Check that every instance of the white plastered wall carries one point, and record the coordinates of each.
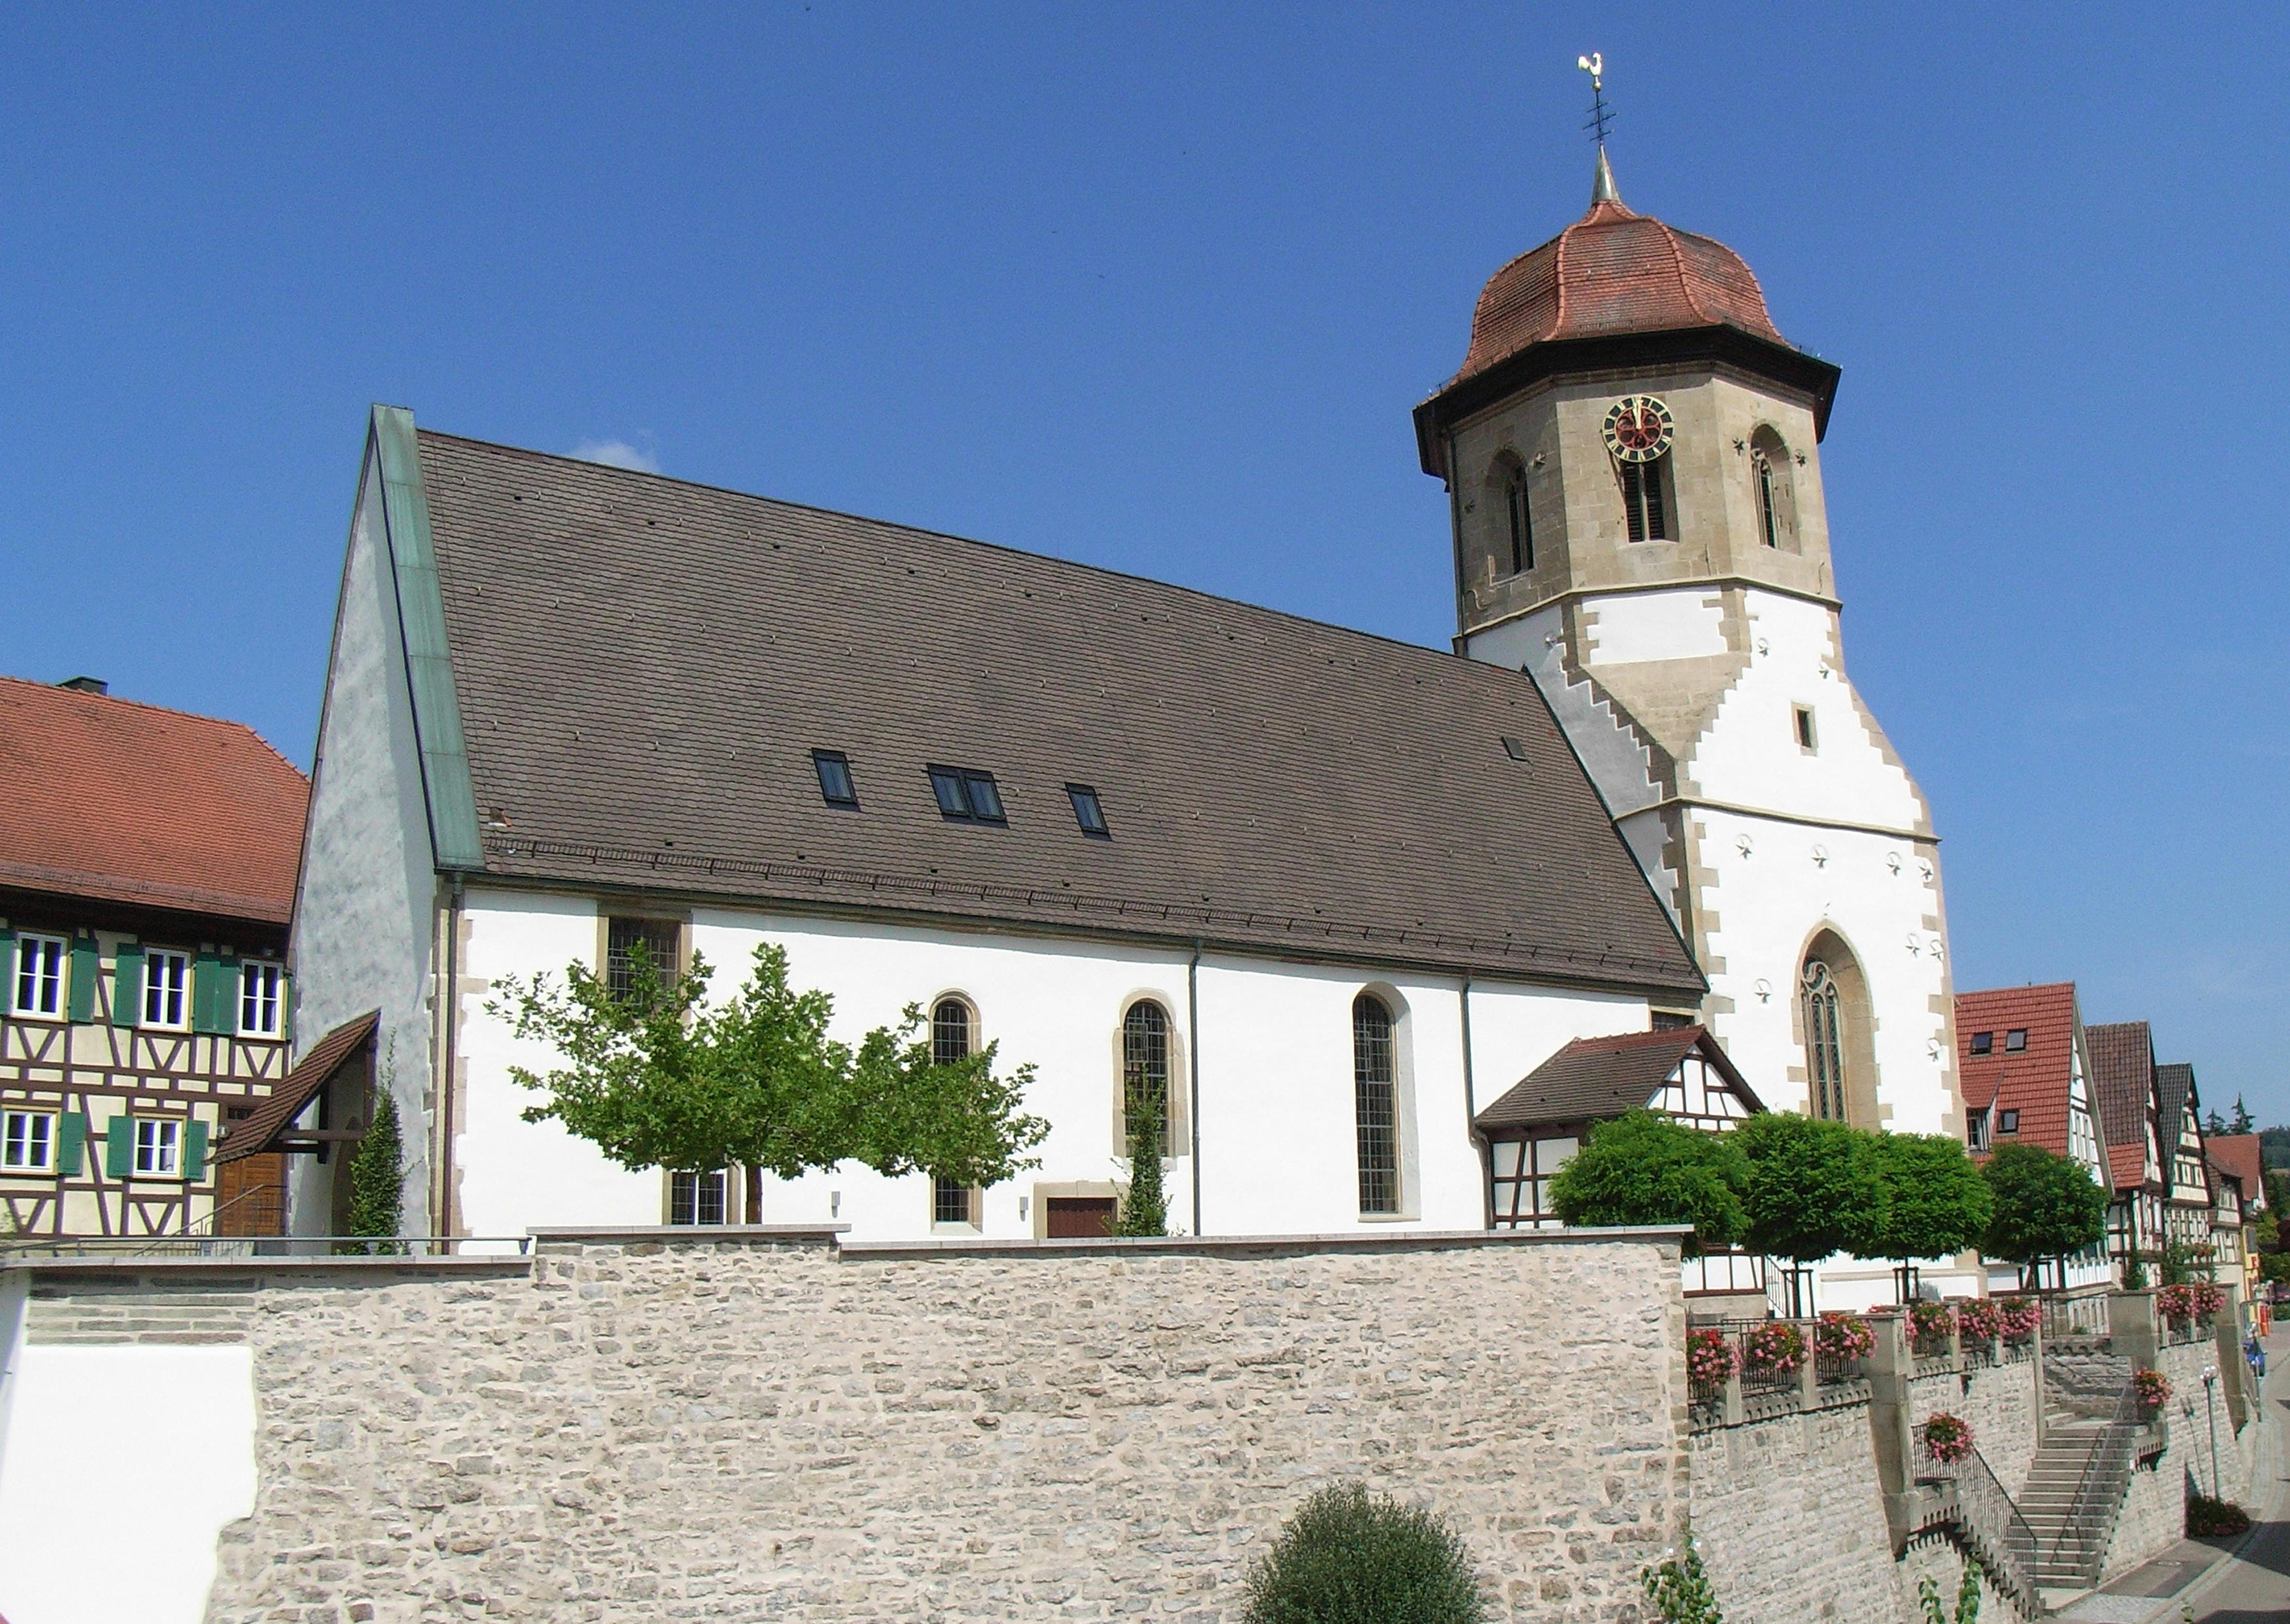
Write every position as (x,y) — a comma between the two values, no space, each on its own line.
(1274,1043)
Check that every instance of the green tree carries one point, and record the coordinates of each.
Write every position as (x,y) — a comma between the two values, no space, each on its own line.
(1346,1558)
(1145,1207)
(1643,1168)
(656,1077)
(2215,1124)
(1813,1190)
(1936,1204)
(2244,1122)
(2046,1205)
(377,1175)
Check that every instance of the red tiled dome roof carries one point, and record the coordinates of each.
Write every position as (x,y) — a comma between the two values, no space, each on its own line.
(1614,271)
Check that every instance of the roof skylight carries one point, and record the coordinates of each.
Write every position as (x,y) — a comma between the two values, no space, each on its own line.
(1088,812)
(967,796)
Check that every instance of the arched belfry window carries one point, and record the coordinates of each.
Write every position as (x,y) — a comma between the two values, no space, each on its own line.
(1375,1104)
(1769,476)
(1145,1068)
(1824,1040)
(1519,523)
(1643,504)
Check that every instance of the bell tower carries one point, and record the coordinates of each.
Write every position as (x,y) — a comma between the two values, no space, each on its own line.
(1631,453)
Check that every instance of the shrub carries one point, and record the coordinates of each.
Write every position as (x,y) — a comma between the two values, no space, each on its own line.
(1981,1320)
(1681,1591)
(1709,1358)
(2153,1387)
(1643,1168)
(1946,1438)
(1929,1323)
(1774,1349)
(1145,1205)
(1346,1558)
(377,1175)
(2020,1317)
(1839,1335)
(2206,1515)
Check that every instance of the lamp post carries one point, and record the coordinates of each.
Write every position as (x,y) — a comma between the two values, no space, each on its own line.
(2210,1404)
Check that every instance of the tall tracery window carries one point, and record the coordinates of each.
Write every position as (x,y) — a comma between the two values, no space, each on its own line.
(1824,1040)
(1647,513)
(1145,1068)
(1769,476)
(1521,522)
(1375,1104)
(952,1202)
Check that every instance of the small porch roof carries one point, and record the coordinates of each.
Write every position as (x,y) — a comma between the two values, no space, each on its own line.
(316,1068)
(1594,1078)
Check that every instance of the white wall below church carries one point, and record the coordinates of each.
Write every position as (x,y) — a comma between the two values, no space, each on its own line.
(1277,1127)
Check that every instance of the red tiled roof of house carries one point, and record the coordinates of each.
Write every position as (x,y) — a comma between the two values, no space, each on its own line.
(1614,271)
(2033,1081)
(129,803)
(2123,1088)
(2239,1153)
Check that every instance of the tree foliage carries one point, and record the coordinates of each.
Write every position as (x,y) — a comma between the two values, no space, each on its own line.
(1145,1206)
(1937,1203)
(1815,1188)
(1643,1168)
(658,1077)
(2045,1205)
(377,1173)
(1346,1558)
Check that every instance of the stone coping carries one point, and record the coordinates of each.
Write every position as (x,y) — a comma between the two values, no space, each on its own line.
(477,1263)
(1403,1240)
(689,1234)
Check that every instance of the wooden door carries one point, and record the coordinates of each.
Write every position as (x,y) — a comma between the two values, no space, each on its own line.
(1073,1218)
(251,1196)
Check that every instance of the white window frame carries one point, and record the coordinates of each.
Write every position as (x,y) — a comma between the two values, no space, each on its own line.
(263,993)
(42,985)
(158,1147)
(17,1139)
(157,989)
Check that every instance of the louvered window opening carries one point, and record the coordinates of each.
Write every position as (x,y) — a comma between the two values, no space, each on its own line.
(1824,1042)
(950,1200)
(1145,1068)
(1768,516)
(1375,1104)
(1522,523)
(1642,502)
(658,940)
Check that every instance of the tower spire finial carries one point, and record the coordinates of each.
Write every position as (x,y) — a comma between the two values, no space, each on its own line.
(1602,179)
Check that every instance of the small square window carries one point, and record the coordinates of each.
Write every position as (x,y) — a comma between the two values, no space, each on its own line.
(166,988)
(261,999)
(696,1197)
(2007,1122)
(1983,1043)
(1804,735)
(835,785)
(967,796)
(1088,812)
(658,940)
(39,988)
(28,1141)
(2015,1040)
(159,1144)
(953,1203)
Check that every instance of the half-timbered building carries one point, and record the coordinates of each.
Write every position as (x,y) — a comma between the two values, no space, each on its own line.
(2123,1079)
(147,881)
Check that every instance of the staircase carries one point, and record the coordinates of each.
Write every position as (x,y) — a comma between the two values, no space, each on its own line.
(2062,1502)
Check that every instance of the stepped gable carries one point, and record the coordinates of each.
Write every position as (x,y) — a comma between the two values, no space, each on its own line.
(644,667)
(124,802)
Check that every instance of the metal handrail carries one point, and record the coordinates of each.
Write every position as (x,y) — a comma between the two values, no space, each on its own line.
(2098,1492)
(1983,1505)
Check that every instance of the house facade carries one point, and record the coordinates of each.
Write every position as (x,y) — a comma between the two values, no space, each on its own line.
(1313,889)
(146,878)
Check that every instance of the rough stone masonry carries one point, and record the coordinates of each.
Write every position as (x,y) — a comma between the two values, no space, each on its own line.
(759,1426)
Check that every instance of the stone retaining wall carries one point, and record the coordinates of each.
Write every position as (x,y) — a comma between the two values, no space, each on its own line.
(761,1427)
(2154,1513)
(1999,1401)
(1791,1521)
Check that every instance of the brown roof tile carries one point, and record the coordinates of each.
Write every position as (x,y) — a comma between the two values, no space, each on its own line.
(2033,1081)
(299,1086)
(2123,1081)
(1593,1078)
(2239,1153)
(129,803)
(644,666)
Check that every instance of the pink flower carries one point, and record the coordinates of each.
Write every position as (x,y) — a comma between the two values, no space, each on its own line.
(1947,1438)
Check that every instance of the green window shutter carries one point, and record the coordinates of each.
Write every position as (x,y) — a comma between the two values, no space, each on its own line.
(127,986)
(119,1146)
(86,964)
(286,1008)
(7,970)
(71,1140)
(195,1151)
(214,993)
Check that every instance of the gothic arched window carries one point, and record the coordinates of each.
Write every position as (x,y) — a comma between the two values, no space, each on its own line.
(1769,475)
(1643,504)
(1375,1104)
(1824,1041)
(951,1040)
(1145,1068)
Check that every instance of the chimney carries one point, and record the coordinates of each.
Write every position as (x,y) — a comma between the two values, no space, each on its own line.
(85,685)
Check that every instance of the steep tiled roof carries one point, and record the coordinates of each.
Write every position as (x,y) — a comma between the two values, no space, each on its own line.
(2239,1153)
(1613,272)
(128,802)
(2123,1079)
(2033,1081)
(1593,1078)
(311,1073)
(644,668)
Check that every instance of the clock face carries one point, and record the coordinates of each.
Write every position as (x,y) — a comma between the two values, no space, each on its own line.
(1638,428)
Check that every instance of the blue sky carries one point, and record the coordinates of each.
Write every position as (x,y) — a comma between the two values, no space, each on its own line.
(1157,287)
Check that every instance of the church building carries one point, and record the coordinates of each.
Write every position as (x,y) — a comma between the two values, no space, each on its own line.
(1328,897)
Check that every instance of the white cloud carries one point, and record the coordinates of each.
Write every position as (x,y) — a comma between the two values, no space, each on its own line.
(618,455)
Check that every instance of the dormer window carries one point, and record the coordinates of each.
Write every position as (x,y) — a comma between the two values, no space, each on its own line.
(1976,1128)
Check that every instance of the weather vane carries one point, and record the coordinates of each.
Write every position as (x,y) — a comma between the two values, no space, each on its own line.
(1601,114)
